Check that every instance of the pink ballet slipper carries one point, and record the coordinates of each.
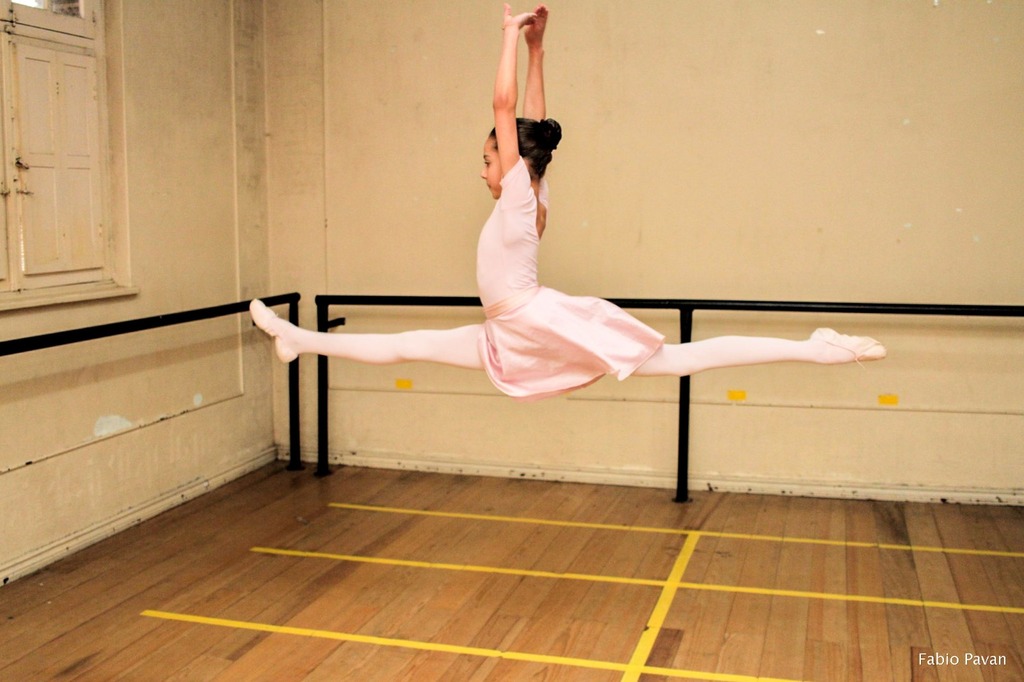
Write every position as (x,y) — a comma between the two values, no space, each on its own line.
(267,320)
(860,348)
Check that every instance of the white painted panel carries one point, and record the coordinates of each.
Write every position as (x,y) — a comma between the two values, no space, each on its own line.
(44,243)
(36,99)
(79,104)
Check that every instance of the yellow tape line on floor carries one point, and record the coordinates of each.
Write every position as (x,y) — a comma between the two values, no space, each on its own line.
(646,582)
(831,596)
(469,568)
(446,648)
(679,531)
(645,646)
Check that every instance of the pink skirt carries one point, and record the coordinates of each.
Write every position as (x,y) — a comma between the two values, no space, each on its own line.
(543,343)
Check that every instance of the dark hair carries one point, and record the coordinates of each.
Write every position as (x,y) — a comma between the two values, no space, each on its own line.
(537,139)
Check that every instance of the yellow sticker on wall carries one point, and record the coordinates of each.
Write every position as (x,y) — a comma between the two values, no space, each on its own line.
(889,399)
(403,384)
(736,395)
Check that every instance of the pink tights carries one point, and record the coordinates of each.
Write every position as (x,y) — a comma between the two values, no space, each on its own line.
(458,347)
(683,359)
(455,347)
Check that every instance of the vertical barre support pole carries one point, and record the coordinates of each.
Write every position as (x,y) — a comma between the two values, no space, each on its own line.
(683,459)
(294,423)
(322,389)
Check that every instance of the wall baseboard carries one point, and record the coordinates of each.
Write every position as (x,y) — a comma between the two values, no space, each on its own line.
(853,490)
(524,471)
(147,509)
(859,491)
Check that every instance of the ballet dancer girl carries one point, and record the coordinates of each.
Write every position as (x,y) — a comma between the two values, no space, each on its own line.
(537,342)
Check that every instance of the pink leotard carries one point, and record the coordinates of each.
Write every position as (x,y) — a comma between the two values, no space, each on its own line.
(538,342)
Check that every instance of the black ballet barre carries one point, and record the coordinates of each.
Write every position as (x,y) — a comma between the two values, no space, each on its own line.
(63,338)
(686,309)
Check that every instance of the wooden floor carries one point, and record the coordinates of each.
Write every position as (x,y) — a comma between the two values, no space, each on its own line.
(521,580)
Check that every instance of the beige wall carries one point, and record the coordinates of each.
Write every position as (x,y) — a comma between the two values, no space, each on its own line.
(792,151)
(95,436)
(799,150)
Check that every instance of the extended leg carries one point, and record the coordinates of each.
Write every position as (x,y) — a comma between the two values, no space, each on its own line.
(456,347)
(825,347)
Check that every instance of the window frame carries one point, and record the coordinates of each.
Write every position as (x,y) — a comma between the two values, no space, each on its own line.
(75,35)
(84,26)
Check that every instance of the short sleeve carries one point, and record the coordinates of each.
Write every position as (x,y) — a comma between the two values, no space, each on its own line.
(516,190)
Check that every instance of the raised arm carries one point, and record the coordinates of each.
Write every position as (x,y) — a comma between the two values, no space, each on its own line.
(533,102)
(506,90)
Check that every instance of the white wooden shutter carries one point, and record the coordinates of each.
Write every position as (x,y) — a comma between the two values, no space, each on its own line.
(56,174)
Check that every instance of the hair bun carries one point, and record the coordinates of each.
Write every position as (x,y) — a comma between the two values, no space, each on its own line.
(551,133)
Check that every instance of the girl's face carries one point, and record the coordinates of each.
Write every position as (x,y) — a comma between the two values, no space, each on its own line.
(492,167)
